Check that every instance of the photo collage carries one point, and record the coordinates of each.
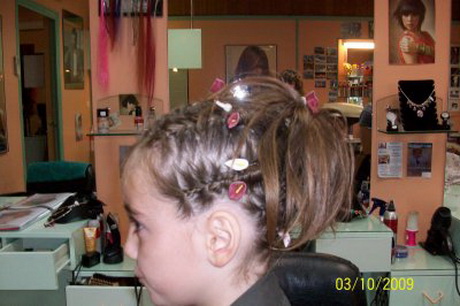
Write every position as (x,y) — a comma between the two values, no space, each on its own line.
(322,67)
(454,86)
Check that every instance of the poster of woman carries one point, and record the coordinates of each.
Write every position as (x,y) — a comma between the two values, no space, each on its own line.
(412,31)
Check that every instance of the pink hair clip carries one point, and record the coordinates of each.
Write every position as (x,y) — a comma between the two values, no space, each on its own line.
(217,85)
(236,190)
(233,120)
(312,101)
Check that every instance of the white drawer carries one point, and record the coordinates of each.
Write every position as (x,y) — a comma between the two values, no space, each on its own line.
(440,289)
(33,264)
(102,295)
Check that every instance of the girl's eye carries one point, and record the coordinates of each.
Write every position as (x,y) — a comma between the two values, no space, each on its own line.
(137,225)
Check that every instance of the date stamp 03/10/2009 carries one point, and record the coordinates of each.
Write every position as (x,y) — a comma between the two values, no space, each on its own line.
(384,283)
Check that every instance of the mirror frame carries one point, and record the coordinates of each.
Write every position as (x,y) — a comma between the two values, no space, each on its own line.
(3,125)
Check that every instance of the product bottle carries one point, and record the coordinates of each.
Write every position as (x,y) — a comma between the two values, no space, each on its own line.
(96,224)
(138,119)
(412,229)
(151,117)
(390,218)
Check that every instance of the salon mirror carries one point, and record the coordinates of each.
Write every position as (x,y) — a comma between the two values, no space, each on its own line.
(295,28)
(300,37)
(452,171)
(3,130)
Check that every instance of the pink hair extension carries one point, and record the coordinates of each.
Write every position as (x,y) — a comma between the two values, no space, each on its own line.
(102,55)
(140,48)
(117,19)
(149,75)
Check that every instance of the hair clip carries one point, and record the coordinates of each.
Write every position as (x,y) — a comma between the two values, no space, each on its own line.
(236,190)
(312,101)
(237,164)
(217,85)
(233,120)
(286,237)
(227,107)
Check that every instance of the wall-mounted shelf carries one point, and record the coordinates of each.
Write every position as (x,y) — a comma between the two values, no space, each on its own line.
(117,133)
(392,101)
(418,132)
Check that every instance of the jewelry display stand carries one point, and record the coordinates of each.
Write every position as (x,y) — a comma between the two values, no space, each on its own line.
(417,104)
(392,102)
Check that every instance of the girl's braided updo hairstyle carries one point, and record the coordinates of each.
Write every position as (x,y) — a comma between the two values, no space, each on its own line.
(300,170)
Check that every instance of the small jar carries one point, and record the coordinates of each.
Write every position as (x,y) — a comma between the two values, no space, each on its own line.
(103,120)
(138,119)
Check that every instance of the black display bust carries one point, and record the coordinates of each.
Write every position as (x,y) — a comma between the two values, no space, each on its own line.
(417,102)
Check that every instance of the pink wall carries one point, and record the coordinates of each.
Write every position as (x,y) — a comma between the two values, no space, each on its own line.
(11,162)
(123,79)
(281,32)
(73,101)
(424,195)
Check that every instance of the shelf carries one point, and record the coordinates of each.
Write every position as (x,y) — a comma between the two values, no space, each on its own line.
(117,133)
(418,132)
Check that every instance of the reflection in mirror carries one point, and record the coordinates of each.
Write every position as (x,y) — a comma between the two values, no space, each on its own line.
(3,131)
(72,32)
(305,44)
(452,168)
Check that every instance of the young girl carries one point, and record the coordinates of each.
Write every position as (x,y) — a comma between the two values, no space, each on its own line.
(213,188)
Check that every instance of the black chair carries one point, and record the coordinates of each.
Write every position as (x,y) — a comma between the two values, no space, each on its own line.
(60,176)
(310,279)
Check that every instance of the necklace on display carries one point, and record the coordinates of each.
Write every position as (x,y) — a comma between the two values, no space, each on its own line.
(419,108)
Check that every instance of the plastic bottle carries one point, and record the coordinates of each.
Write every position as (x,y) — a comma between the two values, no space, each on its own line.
(412,229)
(96,223)
(390,218)
(138,119)
(151,117)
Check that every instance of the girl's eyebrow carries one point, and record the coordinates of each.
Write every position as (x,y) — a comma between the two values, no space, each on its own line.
(130,210)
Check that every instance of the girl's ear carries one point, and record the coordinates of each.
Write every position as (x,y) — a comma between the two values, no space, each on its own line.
(223,234)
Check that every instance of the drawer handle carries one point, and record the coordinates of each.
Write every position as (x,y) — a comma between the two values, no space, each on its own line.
(434,301)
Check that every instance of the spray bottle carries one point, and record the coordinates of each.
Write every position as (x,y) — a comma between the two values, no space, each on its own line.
(381,204)
(390,218)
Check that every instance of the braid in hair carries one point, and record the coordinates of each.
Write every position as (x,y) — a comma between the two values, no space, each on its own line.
(301,168)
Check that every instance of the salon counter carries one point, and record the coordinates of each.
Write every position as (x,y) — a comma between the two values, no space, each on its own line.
(366,242)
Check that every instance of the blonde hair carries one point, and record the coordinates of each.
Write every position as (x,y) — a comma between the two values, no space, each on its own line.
(300,167)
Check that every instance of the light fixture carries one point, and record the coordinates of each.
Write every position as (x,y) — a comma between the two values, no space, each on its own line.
(359,44)
(184,46)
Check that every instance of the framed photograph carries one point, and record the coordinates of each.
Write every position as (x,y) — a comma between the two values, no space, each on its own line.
(244,60)
(454,84)
(419,159)
(371,29)
(405,35)
(319,50)
(73,42)
(350,30)
(455,55)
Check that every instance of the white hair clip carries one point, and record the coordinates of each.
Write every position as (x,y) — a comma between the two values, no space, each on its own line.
(227,107)
(237,164)
(286,238)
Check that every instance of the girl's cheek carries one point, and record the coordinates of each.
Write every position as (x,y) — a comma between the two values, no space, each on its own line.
(132,243)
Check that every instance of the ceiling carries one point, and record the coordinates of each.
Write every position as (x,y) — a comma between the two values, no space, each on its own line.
(343,8)
(273,7)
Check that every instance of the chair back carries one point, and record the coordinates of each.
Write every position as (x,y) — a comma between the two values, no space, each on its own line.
(316,279)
